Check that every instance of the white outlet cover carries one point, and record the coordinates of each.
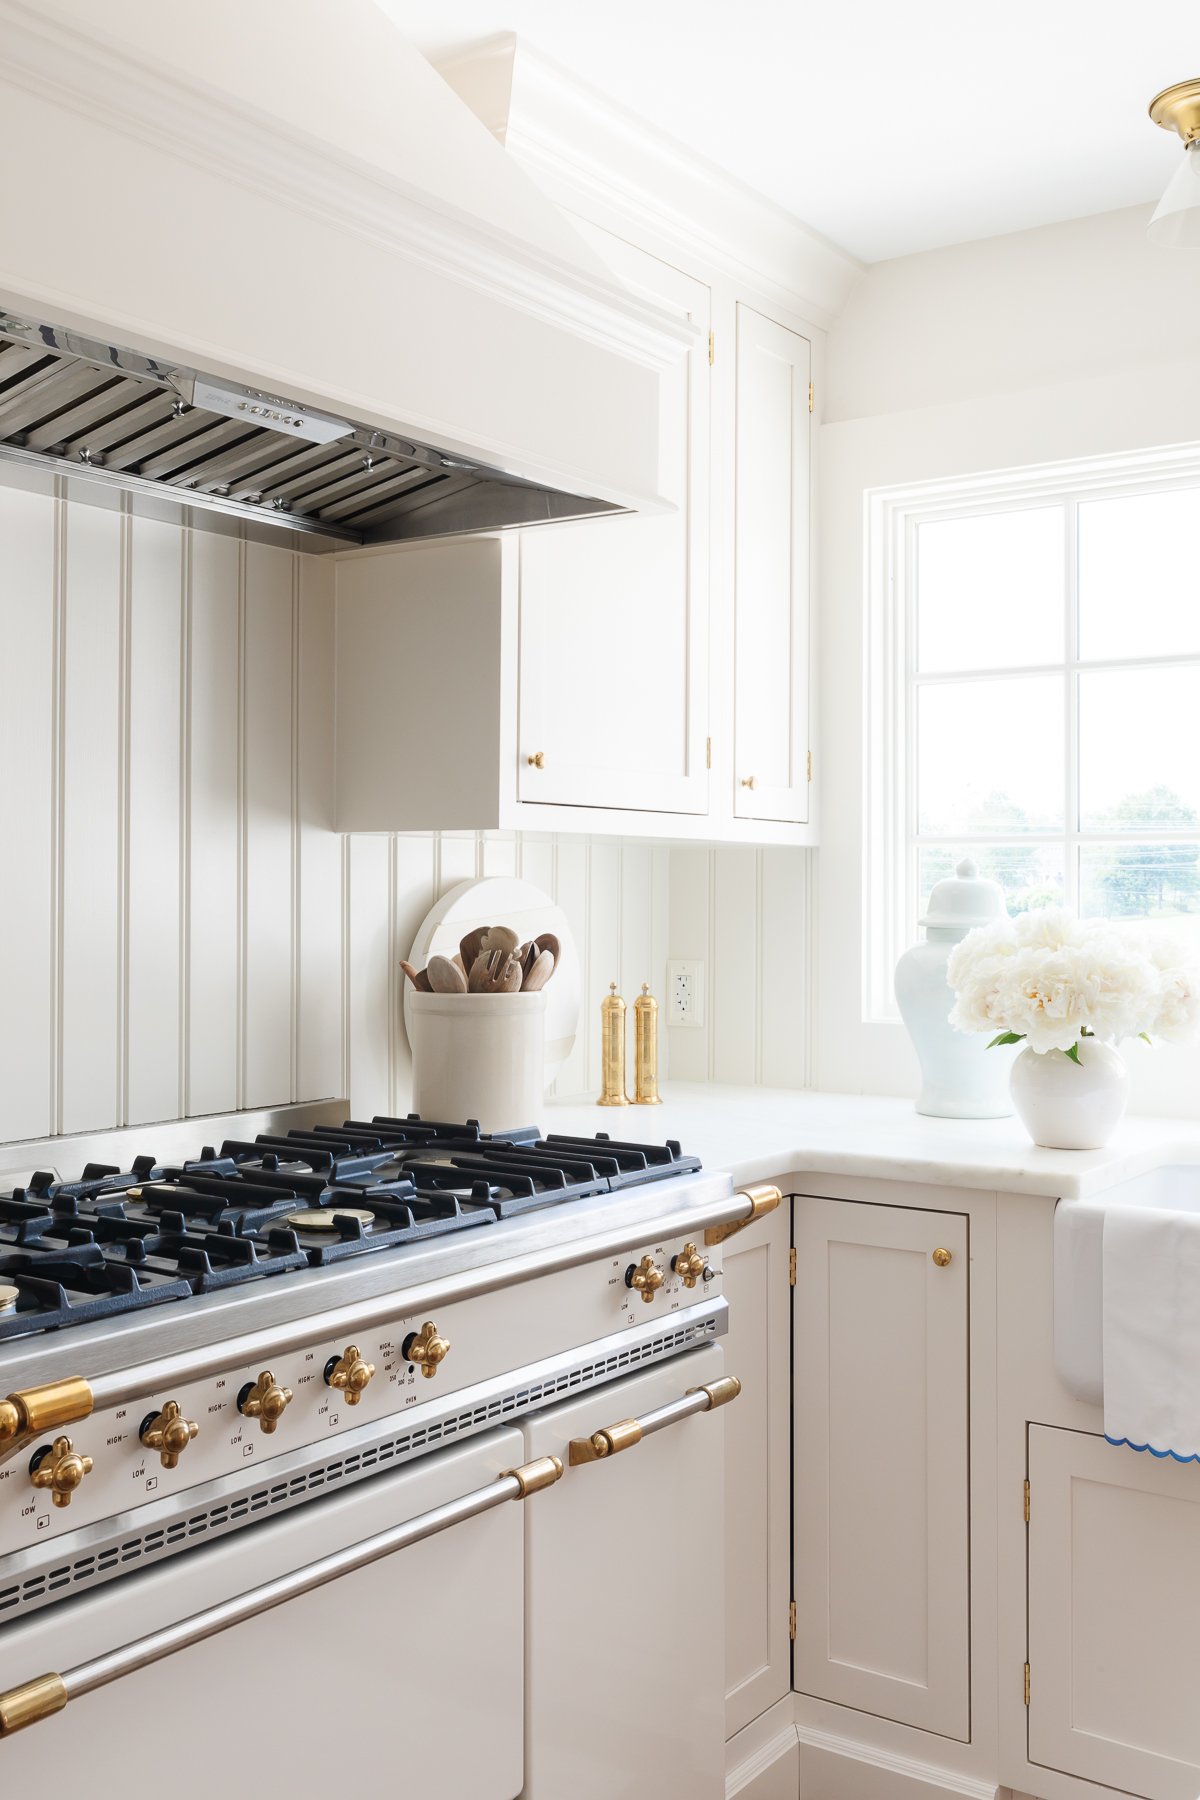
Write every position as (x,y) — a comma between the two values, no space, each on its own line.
(685,994)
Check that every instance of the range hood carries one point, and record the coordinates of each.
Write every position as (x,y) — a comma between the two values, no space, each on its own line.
(265,261)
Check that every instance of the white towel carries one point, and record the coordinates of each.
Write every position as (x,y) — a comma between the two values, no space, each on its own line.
(1152,1330)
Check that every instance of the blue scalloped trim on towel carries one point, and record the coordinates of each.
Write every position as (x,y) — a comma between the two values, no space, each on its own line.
(1161,1454)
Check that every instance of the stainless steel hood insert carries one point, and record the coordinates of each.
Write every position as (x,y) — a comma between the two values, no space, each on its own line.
(85,408)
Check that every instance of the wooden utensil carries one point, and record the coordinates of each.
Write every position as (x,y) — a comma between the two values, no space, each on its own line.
(418,977)
(445,977)
(539,974)
(500,937)
(497,972)
(549,942)
(527,955)
(470,947)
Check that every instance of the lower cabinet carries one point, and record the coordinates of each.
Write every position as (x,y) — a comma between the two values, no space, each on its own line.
(1114,1599)
(881,1461)
(624,1644)
(758,1500)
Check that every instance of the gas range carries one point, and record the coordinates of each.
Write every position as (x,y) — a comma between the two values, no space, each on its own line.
(193,1344)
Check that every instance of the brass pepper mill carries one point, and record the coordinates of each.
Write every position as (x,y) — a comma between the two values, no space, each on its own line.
(645,1032)
(612,1049)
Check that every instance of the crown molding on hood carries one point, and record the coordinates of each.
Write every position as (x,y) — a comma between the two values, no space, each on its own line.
(588,152)
(219,133)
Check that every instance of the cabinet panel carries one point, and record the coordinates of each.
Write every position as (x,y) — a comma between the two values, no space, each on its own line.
(1114,1592)
(614,615)
(757,1471)
(881,1462)
(771,571)
(624,1640)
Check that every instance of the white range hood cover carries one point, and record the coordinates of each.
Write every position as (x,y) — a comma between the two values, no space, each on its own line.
(285,193)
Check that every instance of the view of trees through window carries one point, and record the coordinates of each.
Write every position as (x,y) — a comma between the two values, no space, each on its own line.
(1054,687)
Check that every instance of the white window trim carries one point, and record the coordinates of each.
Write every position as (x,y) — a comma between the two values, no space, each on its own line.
(891,517)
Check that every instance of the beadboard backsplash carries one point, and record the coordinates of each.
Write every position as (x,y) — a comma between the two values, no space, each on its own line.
(181,932)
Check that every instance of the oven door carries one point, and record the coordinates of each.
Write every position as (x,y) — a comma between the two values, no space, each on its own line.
(403,1674)
(625,1639)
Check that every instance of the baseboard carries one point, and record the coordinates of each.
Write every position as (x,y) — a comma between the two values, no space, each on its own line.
(835,1768)
(763,1761)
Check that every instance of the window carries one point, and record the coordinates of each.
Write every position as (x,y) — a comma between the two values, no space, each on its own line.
(1034,695)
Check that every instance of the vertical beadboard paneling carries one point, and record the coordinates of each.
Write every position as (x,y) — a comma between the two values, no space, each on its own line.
(213,900)
(535,860)
(318,955)
(783,1036)
(458,859)
(498,853)
(268,800)
(28,524)
(733,977)
(571,891)
(368,1017)
(154,1075)
(91,802)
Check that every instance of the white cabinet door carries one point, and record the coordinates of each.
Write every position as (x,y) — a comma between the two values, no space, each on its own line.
(1114,1595)
(614,614)
(624,1627)
(771,575)
(881,1462)
(758,1470)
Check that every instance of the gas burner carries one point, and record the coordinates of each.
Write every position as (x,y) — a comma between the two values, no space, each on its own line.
(73,1286)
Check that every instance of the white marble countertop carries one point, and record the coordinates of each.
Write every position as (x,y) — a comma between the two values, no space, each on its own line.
(760,1132)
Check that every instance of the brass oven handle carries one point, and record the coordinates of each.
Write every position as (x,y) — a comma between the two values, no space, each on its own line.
(37,1411)
(763,1198)
(610,1440)
(48,1694)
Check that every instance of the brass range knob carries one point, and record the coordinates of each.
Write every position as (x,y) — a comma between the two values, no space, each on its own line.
(169,1433)
(60,1468)
(349,1373)
(265,1401)
(690,1265)
(645,1278)
(537,760)
(427,1348)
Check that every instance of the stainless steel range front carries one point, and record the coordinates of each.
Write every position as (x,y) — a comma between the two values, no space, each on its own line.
(209,1356)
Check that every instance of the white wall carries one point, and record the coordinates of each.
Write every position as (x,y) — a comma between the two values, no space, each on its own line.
(181,931)
(1070,341)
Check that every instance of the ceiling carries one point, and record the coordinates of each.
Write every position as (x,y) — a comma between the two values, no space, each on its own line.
(888,128)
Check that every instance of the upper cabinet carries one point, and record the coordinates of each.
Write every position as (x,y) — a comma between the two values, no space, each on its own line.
(772,554)
(614,615)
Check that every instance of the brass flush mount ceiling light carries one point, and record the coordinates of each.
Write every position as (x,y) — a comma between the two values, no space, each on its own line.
(1176,220)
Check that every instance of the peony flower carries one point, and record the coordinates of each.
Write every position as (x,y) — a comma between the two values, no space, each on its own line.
(1051,978)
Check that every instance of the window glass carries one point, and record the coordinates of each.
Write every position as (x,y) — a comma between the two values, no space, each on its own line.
(1139,750)
(990,590)
(1138,559)
(1031,874)
(991,756)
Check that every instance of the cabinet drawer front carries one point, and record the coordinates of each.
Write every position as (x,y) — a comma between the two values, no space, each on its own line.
(1114,1596)
(882,1462)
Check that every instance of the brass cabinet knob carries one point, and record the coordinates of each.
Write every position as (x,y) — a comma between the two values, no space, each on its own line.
(59,1468)
(265,1401)
(943,1258)
(645,1278)
(537,760)
(750,781)
(427,1348)
(169,1433)
(349,1373)
(690,1265)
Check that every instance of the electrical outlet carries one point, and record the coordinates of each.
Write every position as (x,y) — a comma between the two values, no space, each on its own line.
(685,993)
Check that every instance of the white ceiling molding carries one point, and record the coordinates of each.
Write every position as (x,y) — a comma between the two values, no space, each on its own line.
(584,149)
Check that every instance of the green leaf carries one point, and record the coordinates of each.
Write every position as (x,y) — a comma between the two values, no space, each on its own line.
(1146,1038)
(1007,1037)
(1073,1053)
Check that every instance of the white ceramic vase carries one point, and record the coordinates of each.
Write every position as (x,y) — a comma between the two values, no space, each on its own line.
(1069,1105)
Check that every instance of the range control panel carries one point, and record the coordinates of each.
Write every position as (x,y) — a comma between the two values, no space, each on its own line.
(170,1441)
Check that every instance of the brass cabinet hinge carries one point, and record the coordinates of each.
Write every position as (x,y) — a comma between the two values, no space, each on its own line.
(811,397)
(792,1266)
(1027,1503)
(1027,1684)
(708,753)
(792,1621)
(712,350)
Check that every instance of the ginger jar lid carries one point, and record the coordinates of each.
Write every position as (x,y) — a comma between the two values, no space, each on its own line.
(964,900)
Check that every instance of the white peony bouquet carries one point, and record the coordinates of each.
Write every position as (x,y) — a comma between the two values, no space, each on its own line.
(1052,979)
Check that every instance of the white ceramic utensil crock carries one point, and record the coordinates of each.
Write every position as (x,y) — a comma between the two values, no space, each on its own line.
(479,1056)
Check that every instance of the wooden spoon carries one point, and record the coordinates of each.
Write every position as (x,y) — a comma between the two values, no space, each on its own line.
(418,977)
(445,977)
(549,942)
(470,947)
(527,955)
(500,937)
(539,974)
